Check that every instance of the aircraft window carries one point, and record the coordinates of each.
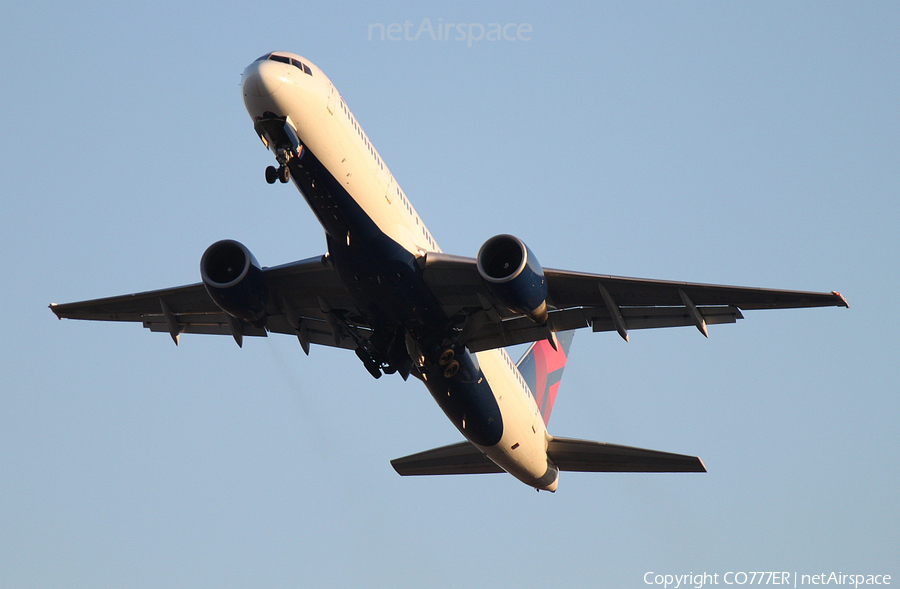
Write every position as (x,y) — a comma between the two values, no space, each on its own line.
(300,66)
(262,58)
(288,60)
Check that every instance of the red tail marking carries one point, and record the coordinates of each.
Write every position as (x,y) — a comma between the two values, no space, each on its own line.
(546,362)
(546,413)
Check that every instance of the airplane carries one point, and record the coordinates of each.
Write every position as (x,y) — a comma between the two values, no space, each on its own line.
(385,289)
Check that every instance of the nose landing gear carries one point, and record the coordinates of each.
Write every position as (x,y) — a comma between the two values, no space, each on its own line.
(280,135)
(282,173)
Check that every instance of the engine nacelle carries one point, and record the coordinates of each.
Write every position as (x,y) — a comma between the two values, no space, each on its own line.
(514,276)
(235,281)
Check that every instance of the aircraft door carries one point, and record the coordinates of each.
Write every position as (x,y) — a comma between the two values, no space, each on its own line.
(332,100)
(391,188)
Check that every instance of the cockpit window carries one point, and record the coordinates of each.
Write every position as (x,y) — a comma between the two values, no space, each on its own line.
(290,61)
(262,58)
(301,66)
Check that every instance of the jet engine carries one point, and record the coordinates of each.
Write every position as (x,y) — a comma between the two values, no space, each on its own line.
(235,281)
(514,276)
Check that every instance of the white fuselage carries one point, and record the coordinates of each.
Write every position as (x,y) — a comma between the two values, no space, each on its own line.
(328,129)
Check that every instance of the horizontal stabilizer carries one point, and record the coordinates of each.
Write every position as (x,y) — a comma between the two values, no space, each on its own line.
(584,456)
(566,453)
(461,458)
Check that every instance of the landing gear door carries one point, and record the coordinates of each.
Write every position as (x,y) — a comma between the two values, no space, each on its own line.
(332,100)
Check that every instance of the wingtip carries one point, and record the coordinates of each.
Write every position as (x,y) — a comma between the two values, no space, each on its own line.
(842,301)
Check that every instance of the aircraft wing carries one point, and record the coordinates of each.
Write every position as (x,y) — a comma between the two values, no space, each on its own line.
(604,303)
(304,299)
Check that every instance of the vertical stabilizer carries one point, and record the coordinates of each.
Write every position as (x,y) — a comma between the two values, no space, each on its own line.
(542,369)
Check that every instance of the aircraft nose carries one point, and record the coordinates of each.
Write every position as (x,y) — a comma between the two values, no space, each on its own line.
(262,78)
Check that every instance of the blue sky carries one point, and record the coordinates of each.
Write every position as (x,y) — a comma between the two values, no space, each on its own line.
(737,143)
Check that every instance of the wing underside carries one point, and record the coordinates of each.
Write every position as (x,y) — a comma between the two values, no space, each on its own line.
(603,303)
(306,299)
